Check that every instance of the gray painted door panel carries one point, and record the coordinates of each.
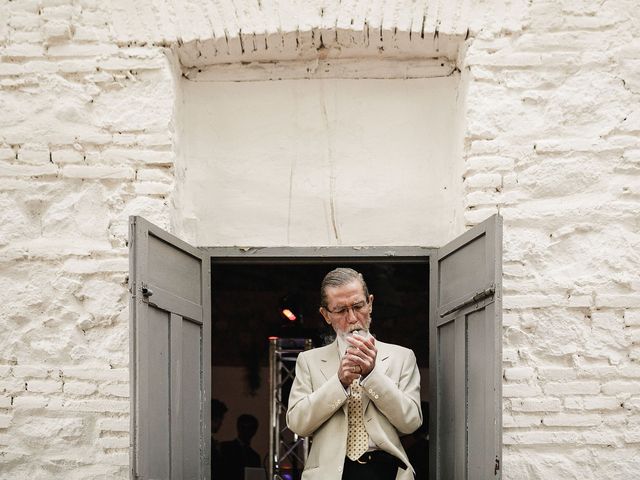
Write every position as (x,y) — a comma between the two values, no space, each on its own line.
(465,330)
(170,356)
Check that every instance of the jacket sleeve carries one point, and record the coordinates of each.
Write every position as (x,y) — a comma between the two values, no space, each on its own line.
(399,403)
(309,408)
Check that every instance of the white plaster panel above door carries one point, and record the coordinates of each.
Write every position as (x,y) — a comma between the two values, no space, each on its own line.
(320,162)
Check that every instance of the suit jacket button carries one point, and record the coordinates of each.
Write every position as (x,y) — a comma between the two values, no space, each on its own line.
(377,396)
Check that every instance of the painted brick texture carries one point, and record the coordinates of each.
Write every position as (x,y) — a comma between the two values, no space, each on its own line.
(553,108)
(552,142)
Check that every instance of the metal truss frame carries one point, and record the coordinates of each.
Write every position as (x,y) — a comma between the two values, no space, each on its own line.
(287,451)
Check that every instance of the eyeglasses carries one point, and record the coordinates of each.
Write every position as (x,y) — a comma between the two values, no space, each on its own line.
(357,308)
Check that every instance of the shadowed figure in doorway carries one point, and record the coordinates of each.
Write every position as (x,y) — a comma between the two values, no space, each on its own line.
(218,409)
(237,454)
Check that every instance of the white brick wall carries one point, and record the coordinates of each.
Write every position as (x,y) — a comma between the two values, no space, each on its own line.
(554,93)
(552,109)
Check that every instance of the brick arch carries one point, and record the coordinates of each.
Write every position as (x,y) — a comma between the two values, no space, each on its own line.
(233,31)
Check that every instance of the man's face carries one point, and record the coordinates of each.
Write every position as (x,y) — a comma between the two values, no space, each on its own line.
(348,308)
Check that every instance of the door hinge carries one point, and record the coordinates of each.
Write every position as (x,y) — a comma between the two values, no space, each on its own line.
(497,466)
(145,290)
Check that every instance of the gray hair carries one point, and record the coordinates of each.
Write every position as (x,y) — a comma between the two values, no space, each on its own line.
(338,278)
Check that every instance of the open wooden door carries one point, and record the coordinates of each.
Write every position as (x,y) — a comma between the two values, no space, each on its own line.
(170,361)
(465,329)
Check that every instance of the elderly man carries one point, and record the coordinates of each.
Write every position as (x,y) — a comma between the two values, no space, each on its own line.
(356,395)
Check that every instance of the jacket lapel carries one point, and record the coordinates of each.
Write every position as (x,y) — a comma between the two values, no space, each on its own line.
(382,362)
(330,362)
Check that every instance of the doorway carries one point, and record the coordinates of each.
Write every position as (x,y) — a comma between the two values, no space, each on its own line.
(171,344)
(250,294)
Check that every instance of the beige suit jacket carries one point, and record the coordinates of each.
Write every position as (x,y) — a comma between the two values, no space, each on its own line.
(318,407)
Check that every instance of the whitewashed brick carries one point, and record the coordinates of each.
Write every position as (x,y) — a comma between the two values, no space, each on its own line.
(574,403)
(521,421)
(30,371)
(29,402)
(5,152)
(11,385)
(23,50)
(66,156)
(489,163)
(142,157)
(518,373)
(104,406)
(80,388)
(632,436)
(113,424)
(618,301)
(154,175)
(81,50)
(115,389)
(572,420)
(484,180)
(620,386)
(5,421)
(98,173)
(96,374)
(602,403)
(572,388)
(632,317)
(557,373)
(548,404)
(152,188)
(47,170)
(632,404)
(510,355)
(44,386)
(520,390)
(5,402)
(114,442)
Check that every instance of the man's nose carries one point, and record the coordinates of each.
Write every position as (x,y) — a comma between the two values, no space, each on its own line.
(351,315)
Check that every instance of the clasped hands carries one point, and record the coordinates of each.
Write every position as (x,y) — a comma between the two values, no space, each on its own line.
(359,359)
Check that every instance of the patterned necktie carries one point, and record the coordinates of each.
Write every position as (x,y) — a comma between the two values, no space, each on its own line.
(357,437)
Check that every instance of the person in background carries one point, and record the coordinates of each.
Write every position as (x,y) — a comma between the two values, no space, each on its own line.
(238,454)
(218,409)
